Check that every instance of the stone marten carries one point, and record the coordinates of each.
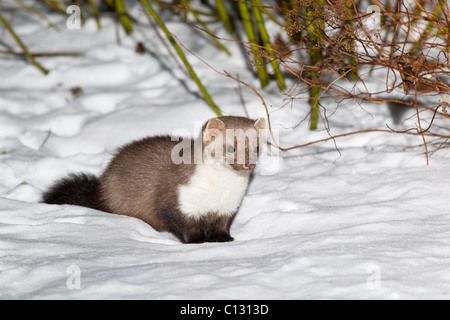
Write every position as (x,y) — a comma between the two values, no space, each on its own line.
(192,189)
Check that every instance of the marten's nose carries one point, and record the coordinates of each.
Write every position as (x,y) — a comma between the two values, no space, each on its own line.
(249,166)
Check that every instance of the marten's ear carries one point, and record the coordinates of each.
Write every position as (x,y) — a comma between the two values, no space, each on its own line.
(213,128)
(260,124)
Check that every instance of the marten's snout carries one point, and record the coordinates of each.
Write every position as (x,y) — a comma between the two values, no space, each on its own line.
(248,162)
(249,166)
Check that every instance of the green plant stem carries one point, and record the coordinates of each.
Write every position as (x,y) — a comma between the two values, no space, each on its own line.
(55,4)
(182,56)
(95,12)
(272,16)
(351,57)
(224,16)
(259,60)
(37,13)
(256,4)
(23,46)
(204,27)
(123,16)
(314,94)
(174,6)
(316,25)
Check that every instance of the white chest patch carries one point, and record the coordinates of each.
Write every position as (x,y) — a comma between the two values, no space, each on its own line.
(212,189)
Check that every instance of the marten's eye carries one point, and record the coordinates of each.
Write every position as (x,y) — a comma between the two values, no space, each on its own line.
(256,149)
(231,149)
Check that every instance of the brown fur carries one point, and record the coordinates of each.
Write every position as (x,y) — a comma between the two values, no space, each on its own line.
(141,181)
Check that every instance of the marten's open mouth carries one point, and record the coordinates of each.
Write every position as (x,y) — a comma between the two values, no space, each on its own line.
(246,167)
(249,166)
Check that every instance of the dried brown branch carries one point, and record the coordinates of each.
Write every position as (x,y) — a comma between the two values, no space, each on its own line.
(379,55)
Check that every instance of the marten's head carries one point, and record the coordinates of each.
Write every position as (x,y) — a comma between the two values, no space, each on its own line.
(236,142)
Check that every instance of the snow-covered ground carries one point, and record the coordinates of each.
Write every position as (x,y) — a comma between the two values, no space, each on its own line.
(370,222)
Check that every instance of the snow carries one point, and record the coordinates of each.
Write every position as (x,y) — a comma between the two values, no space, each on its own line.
(368,221)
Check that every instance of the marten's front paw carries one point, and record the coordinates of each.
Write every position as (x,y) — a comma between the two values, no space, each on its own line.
(219,237)
(193,238)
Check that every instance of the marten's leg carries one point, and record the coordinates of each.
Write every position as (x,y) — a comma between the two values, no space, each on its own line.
(187,230)
(217,228)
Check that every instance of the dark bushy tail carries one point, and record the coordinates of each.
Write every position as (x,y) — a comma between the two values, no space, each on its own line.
(77,189)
